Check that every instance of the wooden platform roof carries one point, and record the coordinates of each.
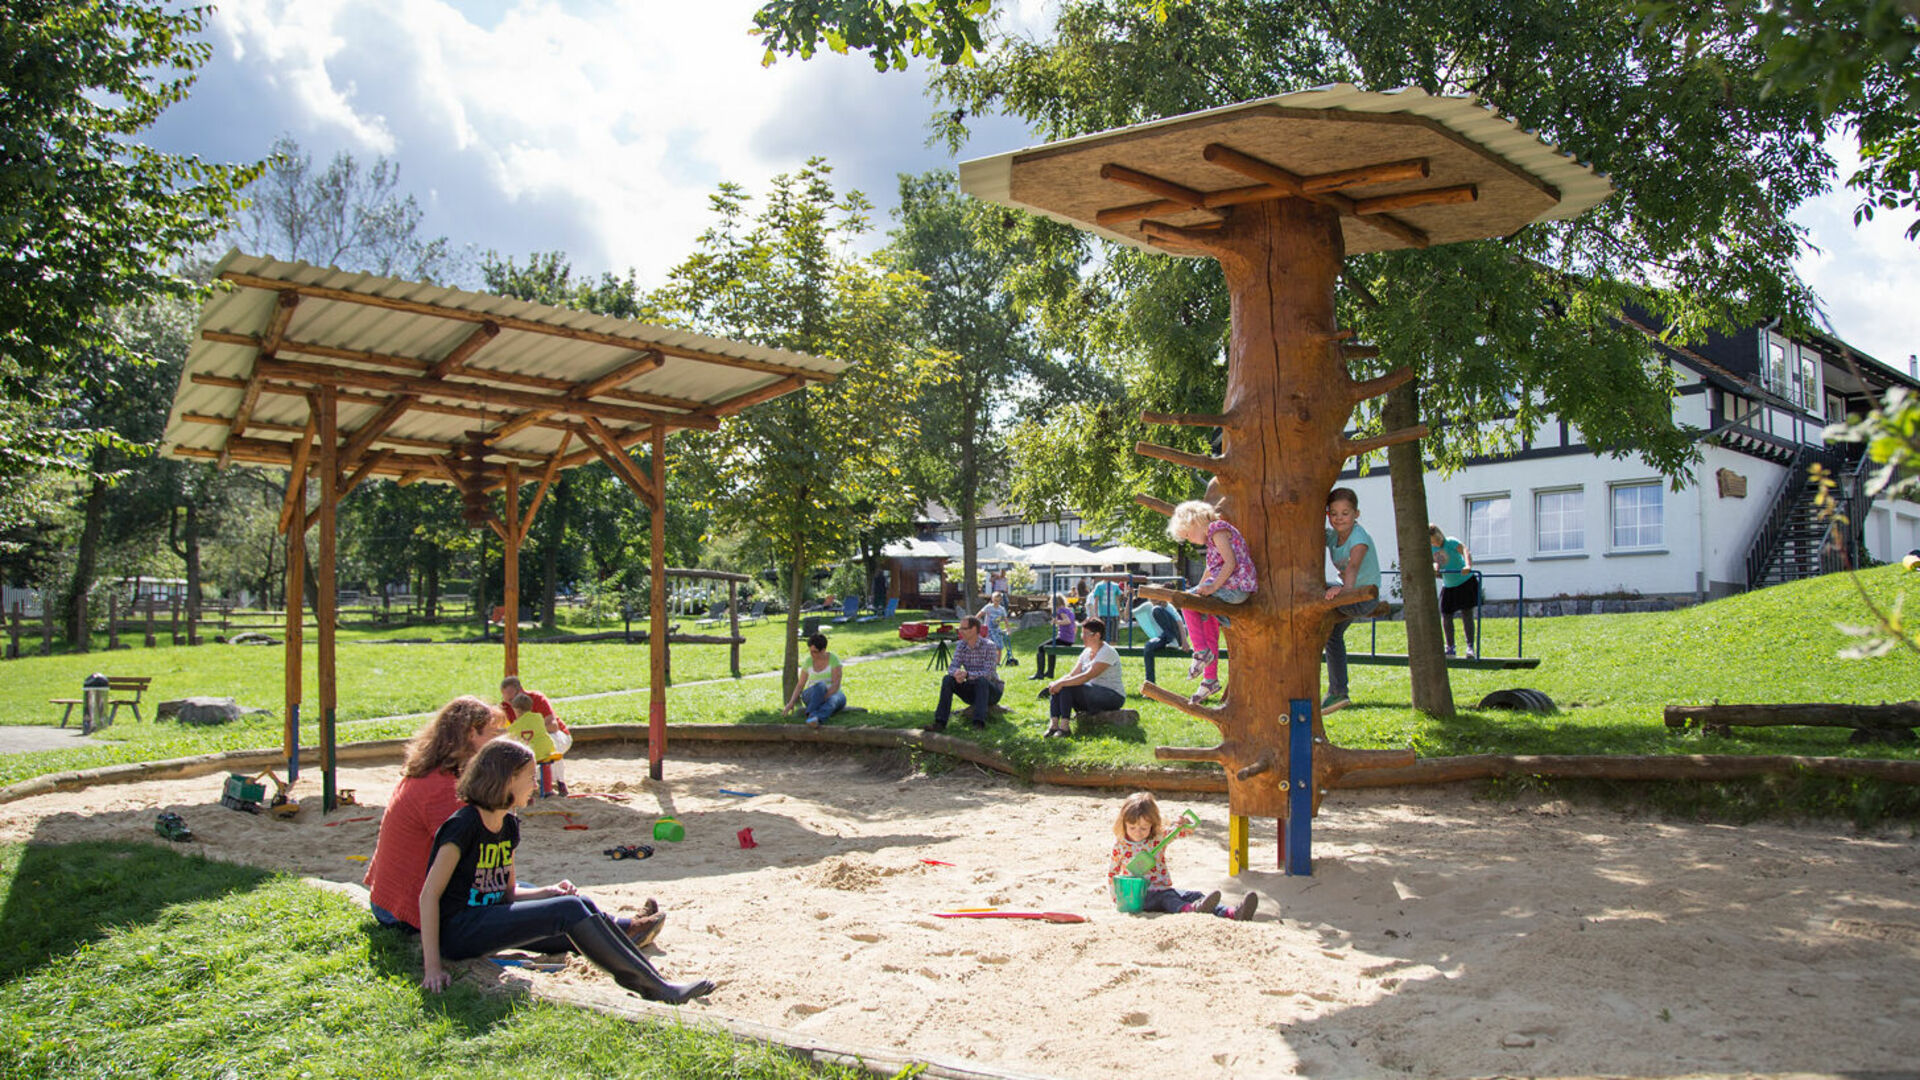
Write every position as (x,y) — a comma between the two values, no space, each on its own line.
(1406,169)
(429,378)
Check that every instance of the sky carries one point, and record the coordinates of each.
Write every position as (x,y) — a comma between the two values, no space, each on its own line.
(600,128)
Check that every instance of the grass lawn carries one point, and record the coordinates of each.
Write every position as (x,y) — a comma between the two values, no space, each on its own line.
(1611,675)
(224,970)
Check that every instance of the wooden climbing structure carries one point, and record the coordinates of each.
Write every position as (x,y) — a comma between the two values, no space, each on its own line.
(1280,191)
(419,383)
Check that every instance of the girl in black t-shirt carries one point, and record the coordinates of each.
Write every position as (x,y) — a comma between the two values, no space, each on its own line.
(471,904)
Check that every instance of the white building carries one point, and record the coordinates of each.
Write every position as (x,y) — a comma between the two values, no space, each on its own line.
(1570,523)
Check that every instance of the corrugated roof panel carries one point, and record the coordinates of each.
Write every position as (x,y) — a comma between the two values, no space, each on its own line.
(334,323)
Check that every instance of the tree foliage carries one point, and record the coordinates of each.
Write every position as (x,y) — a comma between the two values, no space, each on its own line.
(804,470)
(946,30)
(1503,332)
(344,216)
(972,260)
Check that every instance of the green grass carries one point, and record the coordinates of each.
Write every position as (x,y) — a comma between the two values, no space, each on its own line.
(1611,675)
(128,960)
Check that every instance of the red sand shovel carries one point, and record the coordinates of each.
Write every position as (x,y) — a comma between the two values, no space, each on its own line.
(1047,916)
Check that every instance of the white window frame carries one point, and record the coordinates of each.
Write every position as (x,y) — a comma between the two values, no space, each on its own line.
(1483,546)
(1540,518)
(1613,516)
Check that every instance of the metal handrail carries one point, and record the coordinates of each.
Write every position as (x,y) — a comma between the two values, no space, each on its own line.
(1519,611)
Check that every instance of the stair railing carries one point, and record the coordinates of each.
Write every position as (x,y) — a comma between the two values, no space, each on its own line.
(1760,552)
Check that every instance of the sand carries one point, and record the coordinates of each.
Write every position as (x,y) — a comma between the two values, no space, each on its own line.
(1438,936)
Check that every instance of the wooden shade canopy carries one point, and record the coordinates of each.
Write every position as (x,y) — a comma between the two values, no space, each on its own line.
(1280,191)
(338,377)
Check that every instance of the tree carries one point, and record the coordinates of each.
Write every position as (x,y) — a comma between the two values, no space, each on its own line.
(342,216)
(797,470)
(968,258)
(94,220)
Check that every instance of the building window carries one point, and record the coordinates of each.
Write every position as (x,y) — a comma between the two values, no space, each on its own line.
(1791,370)
(1638,519)
(1559,522)
(1017,540)
(1490,526)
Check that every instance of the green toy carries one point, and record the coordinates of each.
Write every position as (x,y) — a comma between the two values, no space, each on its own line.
(242,792)
(1142,864)
(670,830)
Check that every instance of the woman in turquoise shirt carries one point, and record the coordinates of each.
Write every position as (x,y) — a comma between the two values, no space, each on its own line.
(1459,585)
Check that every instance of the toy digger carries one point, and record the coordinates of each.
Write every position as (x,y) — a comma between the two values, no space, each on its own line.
(242,792)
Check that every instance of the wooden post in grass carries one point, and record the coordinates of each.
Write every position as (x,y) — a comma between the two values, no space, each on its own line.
(13,633)
(113,620)
(151,640)
(46,621)
(326,592)
(733,625)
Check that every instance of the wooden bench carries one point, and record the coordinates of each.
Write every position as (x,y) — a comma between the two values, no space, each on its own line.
(135,685)
(1480,663)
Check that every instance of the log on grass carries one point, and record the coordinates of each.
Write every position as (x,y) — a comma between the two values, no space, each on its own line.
(1899,714)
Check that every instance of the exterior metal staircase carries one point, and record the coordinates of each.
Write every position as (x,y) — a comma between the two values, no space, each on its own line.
(1796,541)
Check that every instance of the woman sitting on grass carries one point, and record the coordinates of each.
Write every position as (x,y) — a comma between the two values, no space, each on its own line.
(425,797)
(472,904)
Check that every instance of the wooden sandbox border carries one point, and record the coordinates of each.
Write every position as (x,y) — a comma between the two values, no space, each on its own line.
(1439,770)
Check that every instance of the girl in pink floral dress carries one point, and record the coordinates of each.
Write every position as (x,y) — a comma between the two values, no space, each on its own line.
(1229,577)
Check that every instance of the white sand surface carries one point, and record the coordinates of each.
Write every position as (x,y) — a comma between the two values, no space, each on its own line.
(1438,935)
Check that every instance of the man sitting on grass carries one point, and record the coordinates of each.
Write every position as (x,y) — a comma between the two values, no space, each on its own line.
(974,675)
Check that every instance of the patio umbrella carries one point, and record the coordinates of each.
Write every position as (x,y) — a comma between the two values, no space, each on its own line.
(1056,554)
(1123,556)
(1001,552)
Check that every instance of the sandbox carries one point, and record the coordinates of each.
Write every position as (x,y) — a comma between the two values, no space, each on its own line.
(1439,935)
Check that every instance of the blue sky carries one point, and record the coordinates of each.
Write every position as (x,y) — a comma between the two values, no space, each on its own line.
(600,128)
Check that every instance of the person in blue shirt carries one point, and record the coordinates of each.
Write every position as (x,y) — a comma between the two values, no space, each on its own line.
(1459,585)
(1353,554)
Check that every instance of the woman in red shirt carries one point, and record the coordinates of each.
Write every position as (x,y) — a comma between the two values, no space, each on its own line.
(424,799)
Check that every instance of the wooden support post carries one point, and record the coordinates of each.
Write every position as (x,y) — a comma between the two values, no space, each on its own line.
(173,618)
(151,640)
(295,612)
(1237,844)
(325,611)
(657,639)
(510,599)
(733,626)
(113,620)
(13,632)
(46,620)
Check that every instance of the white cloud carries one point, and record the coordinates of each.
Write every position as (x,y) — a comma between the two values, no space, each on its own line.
(1868,277)
(600,128)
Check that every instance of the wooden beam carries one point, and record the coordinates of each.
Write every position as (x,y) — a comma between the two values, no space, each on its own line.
(269,343)
(1413,169)
(777,388)
(1166,189)
(596,435)
(657,613)
(349,397)
(391,303)
(649,360)
(546,478)
(461,353)
(632,369)
(388,439)
(296,468)
(325,375)
(279,454)
(510,537)
(373,461)
(373,429)
(1408,200)
(1249,166)
(325,609)
(404,363)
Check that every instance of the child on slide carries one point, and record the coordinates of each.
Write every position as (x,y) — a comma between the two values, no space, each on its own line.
(1230,577)
(1137,829)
